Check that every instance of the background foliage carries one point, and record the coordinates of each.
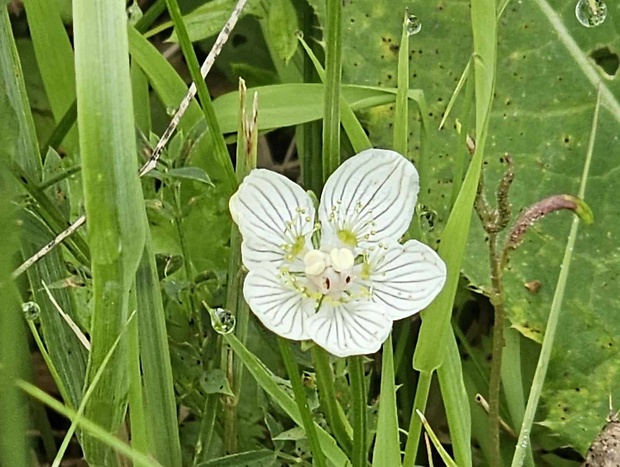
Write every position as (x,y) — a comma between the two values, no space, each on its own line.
(549,71)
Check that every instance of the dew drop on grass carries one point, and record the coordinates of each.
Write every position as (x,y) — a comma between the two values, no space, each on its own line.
(413,25)
(591,13)
(223,321)
(31,310)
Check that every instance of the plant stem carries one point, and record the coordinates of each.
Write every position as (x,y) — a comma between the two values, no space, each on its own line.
(497,300)
(358,389)
(333,59)
(318,456)
(329,403)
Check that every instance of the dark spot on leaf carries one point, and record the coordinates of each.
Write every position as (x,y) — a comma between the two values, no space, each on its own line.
(608,60)
(238,39)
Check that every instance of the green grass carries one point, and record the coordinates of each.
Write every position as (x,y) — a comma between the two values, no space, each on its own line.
(85,96)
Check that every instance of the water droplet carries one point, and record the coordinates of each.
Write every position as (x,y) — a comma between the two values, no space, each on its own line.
(170,111)
(31,310)
(591,13)
(223,321)
(413,25)
(134,13)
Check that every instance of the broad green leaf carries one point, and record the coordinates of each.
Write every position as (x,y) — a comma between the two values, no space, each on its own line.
(282,26)
(215,382)
(207,20)
(549,68)
(547,129)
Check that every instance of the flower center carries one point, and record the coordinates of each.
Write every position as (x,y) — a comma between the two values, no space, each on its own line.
(330,273)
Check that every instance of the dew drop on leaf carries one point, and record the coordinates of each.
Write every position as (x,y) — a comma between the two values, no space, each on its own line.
(223,321)
(591,13)
(31,310)
(413,25)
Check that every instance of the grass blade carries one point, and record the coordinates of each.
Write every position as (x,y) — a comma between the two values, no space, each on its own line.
(219,145)
(54,58)
(456,402)
(554,314)
(387,447)
(88,426)
(436,318)
(113,200)
(269,385)
(158,391)
(13,340)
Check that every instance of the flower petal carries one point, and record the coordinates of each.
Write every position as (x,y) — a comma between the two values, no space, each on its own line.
(405,279)
(370,198)
(354,328)
(275,217)
(277,303)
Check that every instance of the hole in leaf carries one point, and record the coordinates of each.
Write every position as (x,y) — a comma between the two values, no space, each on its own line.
(608,60)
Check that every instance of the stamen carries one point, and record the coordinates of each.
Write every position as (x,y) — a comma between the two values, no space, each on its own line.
(342,259)
(315,262)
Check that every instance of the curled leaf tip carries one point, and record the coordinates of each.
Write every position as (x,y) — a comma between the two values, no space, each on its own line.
(581,209)
(540,209)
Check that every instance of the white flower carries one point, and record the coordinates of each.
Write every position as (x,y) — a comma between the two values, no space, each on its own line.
(342,279)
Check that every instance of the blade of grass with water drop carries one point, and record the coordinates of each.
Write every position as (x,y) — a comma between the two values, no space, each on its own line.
(436,318)
(113,201)
(68,356)
(554,314)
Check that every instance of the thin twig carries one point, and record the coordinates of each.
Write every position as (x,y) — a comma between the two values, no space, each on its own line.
(156,154)
(49,247)
(74,327)
(204,69)
(482,402)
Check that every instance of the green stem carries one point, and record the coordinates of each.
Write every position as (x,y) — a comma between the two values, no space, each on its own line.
(206,429)
(219,144)
(415,424)
(333,59)
(497,299)
(334,414)
(358,388)
(302,402)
